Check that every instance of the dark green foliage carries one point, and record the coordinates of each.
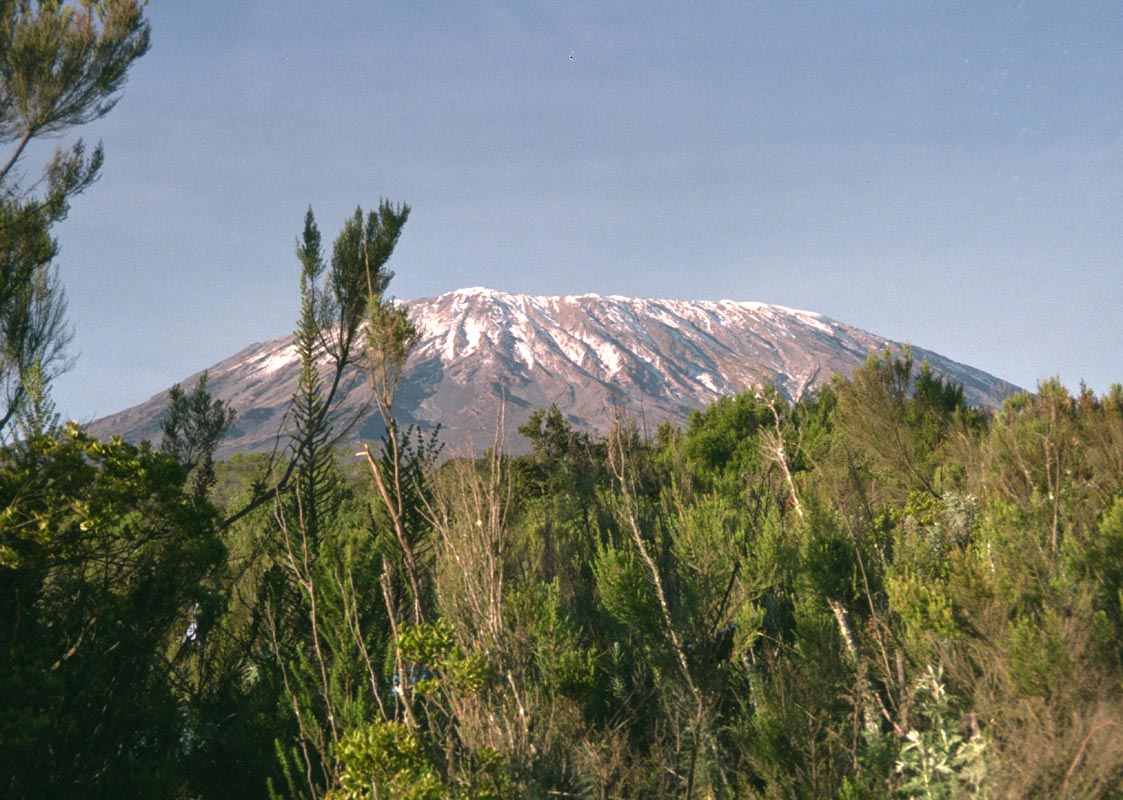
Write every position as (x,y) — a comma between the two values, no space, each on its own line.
(721,444)
(61,66)
(896,424)
(103,556)
(193,428)
(765,605)
(314,491)
(1099,565)
(359,258)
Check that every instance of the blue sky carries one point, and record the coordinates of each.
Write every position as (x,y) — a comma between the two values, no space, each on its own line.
(948,174)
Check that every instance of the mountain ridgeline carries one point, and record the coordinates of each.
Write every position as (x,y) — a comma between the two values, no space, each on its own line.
(593,356)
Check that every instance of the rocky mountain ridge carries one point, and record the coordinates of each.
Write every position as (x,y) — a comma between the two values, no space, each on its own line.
(594,356)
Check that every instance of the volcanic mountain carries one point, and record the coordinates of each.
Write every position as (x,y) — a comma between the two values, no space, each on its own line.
(594,356)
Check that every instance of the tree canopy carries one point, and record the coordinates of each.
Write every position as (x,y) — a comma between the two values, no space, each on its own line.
(61,66)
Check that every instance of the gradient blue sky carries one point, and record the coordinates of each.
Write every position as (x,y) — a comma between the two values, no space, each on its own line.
(948,174)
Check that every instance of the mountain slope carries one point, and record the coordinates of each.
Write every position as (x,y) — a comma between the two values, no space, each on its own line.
(593,356)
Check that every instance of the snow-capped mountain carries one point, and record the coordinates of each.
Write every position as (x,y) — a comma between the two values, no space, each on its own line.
(594,356)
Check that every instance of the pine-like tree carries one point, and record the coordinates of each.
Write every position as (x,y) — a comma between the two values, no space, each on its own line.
(315,490)
(61,65)
(193,427)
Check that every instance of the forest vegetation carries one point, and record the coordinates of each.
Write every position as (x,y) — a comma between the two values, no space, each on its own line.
(874,592)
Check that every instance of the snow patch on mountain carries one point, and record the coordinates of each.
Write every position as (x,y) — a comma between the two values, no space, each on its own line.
(270,362)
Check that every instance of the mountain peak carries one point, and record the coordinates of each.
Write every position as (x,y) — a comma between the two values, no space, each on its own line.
(594,356)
